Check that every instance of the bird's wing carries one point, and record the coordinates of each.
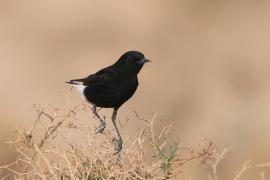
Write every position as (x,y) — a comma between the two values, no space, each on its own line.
(99,79)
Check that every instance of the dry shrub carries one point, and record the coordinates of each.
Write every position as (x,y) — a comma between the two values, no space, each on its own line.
(61,145)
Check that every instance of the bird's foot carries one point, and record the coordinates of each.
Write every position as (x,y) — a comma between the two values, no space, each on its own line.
(117,145)
(101,127)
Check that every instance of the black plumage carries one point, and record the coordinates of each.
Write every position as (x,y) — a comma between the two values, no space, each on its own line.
(112,86)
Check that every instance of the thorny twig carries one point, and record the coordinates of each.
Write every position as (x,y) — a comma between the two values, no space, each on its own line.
(247,166)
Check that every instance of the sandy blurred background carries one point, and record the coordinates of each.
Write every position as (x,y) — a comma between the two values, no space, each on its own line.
(210,70)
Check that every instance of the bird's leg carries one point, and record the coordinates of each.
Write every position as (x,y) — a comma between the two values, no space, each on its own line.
(118,142)
(102,125)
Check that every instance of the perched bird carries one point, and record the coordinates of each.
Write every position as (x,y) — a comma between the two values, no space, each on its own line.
(111,87)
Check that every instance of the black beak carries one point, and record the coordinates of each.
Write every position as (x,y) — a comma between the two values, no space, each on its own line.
(144,61)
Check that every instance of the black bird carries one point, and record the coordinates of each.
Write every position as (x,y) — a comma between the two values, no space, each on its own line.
(111,87)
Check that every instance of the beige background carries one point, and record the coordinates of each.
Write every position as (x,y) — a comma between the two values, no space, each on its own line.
(210,73)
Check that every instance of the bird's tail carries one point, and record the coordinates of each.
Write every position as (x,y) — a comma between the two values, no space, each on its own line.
(75,81)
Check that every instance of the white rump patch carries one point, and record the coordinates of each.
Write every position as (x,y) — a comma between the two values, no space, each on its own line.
(80,88)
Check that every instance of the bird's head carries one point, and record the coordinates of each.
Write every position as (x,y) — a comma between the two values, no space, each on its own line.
(132,61)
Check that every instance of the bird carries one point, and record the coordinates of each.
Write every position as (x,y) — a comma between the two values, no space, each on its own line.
(111,87)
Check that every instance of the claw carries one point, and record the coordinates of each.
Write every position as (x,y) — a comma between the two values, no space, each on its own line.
(101,127)
(118,146)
